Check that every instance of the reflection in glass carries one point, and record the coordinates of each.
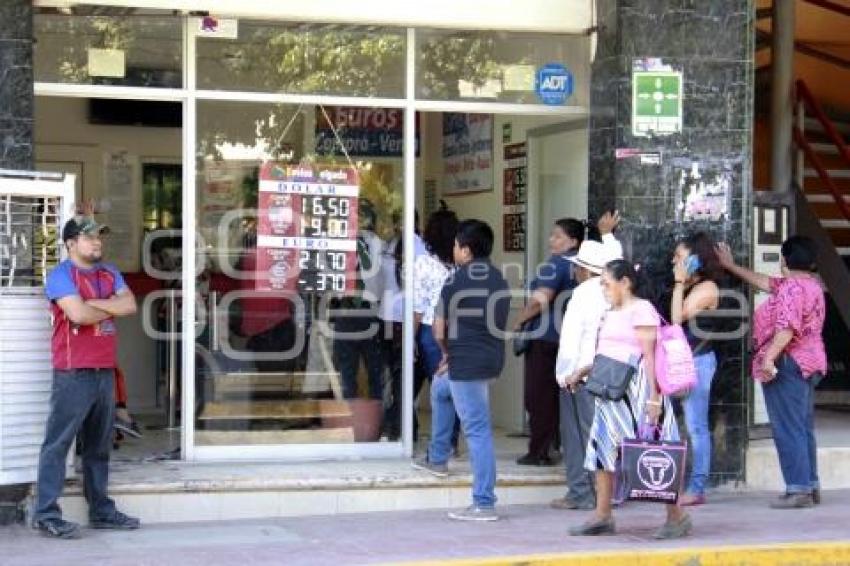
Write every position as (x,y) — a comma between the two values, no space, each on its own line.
(305,58)
(494,66)
(125,50)
(297,347)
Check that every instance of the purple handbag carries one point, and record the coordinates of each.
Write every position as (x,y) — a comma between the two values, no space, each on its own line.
(652,470)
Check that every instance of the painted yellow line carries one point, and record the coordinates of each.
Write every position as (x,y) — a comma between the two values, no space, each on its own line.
(794,554)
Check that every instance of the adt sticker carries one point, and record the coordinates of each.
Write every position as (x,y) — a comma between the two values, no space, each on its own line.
(554,84)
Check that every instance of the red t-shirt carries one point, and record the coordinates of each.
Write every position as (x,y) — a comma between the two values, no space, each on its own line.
(83,346)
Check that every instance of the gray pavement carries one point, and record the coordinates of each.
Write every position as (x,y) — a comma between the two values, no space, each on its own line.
(731,518)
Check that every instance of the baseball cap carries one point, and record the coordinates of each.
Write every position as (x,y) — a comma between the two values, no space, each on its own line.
(82,225)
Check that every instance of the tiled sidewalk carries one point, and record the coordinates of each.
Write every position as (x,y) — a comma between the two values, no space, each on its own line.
(392,538)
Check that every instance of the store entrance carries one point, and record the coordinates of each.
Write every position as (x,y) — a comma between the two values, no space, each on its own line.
(127,159)
(519,174)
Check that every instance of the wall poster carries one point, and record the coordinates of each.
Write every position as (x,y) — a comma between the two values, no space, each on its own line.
(467,153)
(119,208)
(307,228)
(514,198)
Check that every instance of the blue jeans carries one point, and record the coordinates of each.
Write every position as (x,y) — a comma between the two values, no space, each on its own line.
(82,402)
(430,356)
(696,419)
(790,400)
(472,401)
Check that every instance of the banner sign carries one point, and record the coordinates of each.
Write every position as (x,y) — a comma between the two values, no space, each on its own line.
(307,228)
(365,132)
(467,153)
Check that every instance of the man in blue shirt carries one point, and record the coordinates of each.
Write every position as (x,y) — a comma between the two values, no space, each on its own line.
(469,326)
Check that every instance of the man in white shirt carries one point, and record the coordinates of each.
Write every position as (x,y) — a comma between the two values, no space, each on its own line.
(391,313)
(576,351)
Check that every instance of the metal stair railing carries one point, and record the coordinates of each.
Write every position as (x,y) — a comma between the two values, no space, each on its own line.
(831,266)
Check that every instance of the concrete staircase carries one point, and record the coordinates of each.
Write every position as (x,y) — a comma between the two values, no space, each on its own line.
(821,201)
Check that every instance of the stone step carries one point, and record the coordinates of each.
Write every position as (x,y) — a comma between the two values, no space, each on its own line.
(825,148)
(273,410)
(763,467)
(244,383)
(814,125)
(181,491)
(811,173)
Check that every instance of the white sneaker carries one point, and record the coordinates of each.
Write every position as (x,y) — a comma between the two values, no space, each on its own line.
(474,513)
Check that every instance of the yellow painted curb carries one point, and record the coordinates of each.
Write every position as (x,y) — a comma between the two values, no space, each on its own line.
(796,554)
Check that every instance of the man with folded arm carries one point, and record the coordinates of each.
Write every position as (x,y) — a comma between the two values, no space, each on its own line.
(85,297)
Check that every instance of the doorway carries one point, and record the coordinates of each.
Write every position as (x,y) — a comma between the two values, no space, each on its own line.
(132,173)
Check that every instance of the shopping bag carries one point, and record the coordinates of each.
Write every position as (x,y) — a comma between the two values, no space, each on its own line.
(653,470)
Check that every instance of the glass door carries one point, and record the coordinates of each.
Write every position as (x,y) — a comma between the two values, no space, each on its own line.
(299,280)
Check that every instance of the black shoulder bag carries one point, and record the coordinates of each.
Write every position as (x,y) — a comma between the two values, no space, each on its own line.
(609,378)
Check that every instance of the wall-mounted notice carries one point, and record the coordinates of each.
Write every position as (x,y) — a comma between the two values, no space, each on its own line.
(656,98)
(307,228)
(514,232)
(120,210)
(467,153)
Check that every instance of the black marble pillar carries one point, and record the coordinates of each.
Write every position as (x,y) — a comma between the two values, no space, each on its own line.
(711,43)
(16,85)
(16,141)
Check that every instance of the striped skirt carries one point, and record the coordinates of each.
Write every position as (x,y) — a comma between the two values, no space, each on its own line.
(615,421)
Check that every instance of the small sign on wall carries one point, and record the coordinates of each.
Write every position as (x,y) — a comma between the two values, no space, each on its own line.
(220,28)
(106,63)
(514,198)
(514,232)
(467,153)
(656,98)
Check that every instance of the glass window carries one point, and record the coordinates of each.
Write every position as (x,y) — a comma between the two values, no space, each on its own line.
(495,66)
(126,50)
(302,58)
(300,343)
(162,189)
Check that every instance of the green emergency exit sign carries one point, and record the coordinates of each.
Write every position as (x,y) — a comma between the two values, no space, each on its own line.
(656,102)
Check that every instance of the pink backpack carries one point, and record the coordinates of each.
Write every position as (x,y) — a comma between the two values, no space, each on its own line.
(675,371)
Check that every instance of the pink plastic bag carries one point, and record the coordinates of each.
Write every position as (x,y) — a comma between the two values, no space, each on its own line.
(675,371)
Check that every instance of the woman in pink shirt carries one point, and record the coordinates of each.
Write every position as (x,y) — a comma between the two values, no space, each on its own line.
(628,334)
(789,361)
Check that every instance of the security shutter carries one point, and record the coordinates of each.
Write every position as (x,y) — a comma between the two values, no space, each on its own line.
(32,209)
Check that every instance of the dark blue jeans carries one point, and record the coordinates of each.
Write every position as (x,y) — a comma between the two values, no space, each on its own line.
(82,403)
(790,401)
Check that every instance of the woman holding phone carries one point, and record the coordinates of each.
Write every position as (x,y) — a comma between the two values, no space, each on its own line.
(697,271)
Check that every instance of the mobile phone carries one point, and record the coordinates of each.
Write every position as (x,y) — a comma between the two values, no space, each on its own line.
(692,264)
